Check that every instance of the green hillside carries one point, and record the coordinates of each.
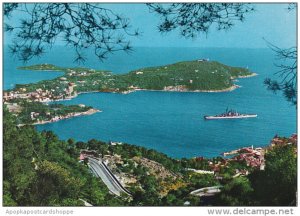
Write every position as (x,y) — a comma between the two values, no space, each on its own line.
(193,75)
(181,76)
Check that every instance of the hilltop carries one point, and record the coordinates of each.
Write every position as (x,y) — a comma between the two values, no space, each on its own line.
(186,76)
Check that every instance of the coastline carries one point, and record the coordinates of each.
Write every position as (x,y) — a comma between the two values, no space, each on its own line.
(39,70)
(70,115)
(171,88)
(229,89)
(131,89)
(92,111)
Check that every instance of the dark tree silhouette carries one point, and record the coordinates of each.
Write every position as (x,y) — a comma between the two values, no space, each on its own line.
(194,18)
(287,74)
(87,25)
(81,26)
(292,6)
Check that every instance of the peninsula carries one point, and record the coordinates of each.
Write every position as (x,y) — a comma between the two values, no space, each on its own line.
(195,76)
(199,75)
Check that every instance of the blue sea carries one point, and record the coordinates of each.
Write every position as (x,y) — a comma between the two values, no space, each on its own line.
(171,122)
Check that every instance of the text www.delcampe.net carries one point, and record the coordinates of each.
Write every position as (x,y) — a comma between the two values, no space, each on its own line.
(250,211)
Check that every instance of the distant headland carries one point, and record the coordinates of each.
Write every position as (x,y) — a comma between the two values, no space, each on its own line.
(199,75)
(189,76)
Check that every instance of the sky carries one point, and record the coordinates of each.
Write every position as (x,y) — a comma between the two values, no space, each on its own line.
(270,21)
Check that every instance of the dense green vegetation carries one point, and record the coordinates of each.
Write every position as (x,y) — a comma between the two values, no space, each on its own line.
(32,112)
(182,76)
(45,67)
(191,75)
(41,170)
(277,184)
(194,75)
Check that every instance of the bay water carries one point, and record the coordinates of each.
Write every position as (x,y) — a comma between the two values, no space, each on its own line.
(171,122)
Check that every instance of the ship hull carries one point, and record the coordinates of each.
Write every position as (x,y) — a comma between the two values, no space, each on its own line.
(229,117)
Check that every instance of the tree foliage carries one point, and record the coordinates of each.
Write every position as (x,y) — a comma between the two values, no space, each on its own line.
(55,185)
(238,192)
(79,25)
(287,75)
(89,25)
(277,184)
(194,18)
(292,6)
(40,170)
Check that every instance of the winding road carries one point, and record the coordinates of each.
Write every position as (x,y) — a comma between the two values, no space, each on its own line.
(102,171)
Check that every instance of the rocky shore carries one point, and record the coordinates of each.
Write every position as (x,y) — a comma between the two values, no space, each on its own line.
(176,89)
(70,115)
